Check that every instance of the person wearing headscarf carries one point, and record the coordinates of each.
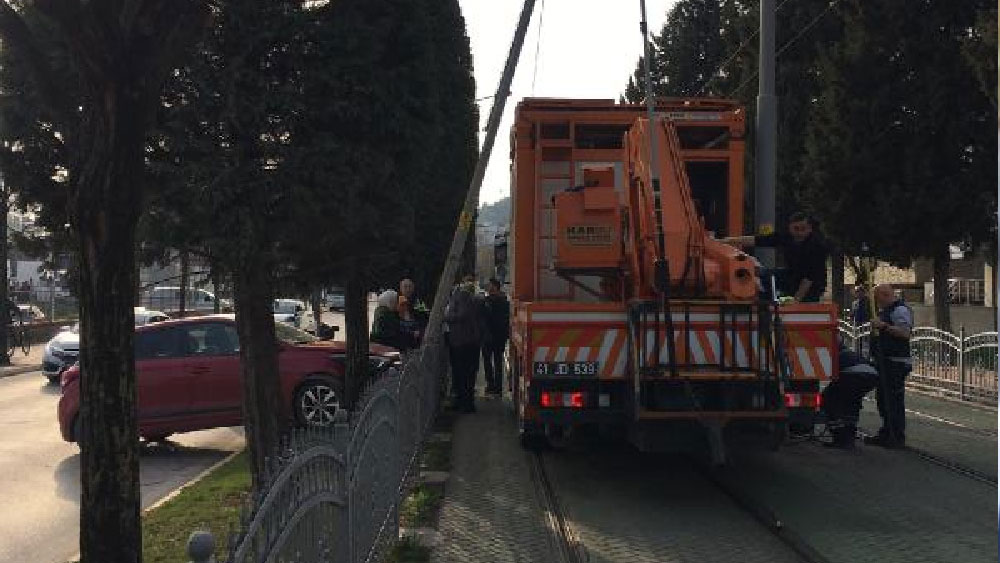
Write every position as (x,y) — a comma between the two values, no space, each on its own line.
(386,328)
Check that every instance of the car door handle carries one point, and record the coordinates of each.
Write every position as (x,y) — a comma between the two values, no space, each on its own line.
(200,370)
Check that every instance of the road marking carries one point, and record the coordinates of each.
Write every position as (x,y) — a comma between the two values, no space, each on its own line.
(944,420)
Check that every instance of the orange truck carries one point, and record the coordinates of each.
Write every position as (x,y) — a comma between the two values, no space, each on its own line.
(635,316)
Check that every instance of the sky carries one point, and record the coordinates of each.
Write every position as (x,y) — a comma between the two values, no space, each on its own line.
(587,49)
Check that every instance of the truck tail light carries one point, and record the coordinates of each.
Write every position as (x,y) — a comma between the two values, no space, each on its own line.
(804,400)
(572,399)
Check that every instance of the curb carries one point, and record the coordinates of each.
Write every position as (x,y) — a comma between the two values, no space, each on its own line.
(933,393)
(169,496)
(172,494)
(19,370)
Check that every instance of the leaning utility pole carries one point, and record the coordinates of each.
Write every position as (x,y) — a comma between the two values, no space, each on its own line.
(767,132)
(472,197)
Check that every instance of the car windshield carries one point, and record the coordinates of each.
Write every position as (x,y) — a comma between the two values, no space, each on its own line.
(291,335)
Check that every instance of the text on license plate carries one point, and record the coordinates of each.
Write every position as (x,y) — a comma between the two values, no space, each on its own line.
(567,368)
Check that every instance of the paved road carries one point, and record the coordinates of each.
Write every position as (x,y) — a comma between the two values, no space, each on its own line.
(868,505)
(959,433)
(40,485)
(628,506)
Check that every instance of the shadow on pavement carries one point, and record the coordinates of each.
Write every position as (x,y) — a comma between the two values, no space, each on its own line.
(67,476)
(161,462)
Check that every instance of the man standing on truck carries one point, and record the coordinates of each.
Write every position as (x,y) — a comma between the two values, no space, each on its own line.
(805,254)
(892,350)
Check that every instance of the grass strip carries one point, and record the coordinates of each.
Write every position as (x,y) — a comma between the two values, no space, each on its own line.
(210,504)
(408,550)
(420,508)
(436,456)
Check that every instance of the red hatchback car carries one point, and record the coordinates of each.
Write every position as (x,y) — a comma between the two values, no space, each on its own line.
(188,373)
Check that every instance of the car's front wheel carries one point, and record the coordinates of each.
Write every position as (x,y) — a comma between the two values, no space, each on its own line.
(317,402)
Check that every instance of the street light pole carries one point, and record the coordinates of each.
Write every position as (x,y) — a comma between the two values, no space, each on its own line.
(767,132)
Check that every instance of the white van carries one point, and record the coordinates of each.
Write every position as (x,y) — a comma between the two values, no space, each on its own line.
(168,299)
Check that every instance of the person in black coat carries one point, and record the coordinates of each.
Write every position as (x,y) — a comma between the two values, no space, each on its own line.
(465,332)
(496,312)
(805,253)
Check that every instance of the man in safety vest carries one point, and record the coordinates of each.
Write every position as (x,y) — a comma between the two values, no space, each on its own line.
(891,350)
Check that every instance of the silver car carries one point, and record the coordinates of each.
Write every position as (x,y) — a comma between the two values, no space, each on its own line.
(63,350)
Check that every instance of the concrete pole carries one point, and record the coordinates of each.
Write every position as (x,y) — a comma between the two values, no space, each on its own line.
(467,218)
(767,132)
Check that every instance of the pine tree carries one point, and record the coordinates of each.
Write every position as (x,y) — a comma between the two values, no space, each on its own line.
(900,154)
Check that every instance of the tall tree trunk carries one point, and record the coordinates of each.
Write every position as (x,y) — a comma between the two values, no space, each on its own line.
(105,191)
(185,281)
(4,275)
(942,297)
(264,414)
(356,327)
(837,279)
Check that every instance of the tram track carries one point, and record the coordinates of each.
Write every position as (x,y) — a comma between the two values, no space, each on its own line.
(569,548)
(951,465)
(762,514)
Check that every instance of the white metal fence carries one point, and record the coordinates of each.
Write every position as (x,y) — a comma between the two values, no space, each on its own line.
(958,365)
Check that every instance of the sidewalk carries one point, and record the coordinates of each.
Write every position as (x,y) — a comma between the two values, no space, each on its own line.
(959,432)
(24,364)
(491,510)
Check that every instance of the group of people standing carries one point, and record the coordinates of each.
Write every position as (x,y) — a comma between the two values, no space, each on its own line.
(475,325)
(400,318)
(890,354)
(804,280)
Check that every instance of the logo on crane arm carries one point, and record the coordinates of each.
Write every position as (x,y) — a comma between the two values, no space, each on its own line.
(590,235)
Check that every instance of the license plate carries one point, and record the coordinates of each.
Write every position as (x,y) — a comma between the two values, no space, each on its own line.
(566,368)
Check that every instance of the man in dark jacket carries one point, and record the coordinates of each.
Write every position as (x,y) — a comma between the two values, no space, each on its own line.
(805,252)
(496,310)
(465,333)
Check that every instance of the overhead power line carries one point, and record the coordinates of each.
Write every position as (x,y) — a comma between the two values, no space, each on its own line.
(717,72)
(788,44)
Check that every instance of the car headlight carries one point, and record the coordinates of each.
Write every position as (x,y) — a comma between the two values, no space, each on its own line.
(54,349)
